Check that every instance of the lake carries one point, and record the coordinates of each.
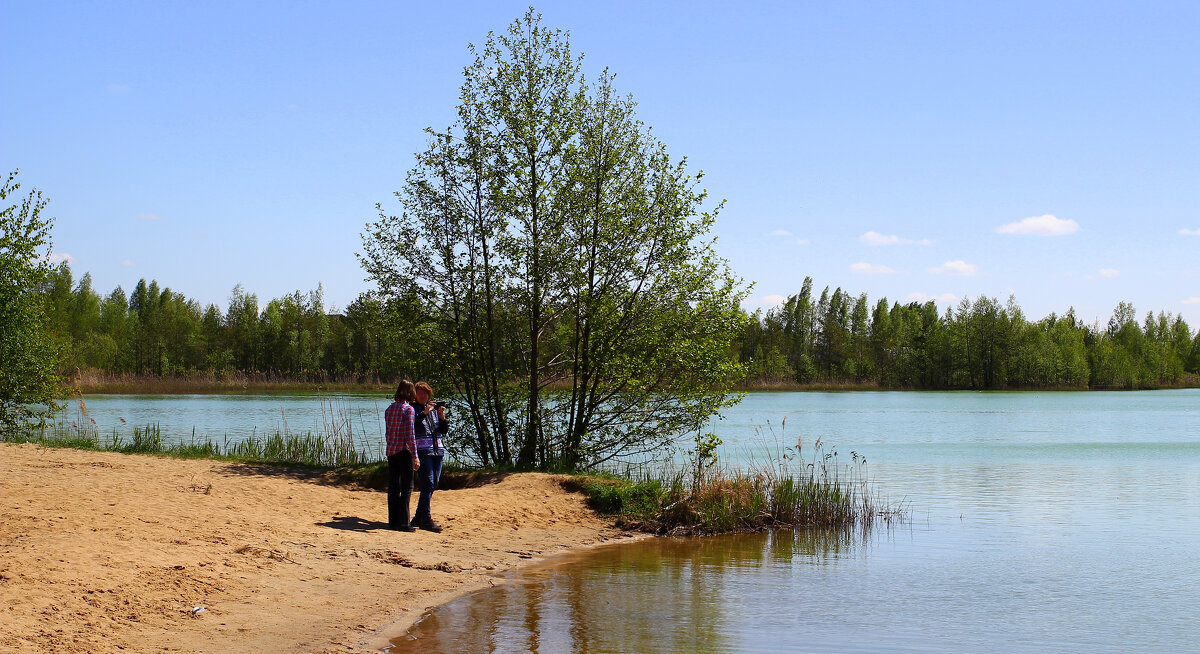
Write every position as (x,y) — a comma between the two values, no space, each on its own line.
(1063,522)
(232,418)
(1039,522)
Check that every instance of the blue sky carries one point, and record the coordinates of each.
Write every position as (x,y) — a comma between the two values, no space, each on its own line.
(910,150)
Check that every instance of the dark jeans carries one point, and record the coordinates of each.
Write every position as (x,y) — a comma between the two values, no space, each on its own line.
(400,484)
(429,475)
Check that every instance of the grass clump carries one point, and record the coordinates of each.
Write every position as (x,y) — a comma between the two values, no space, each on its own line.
(147,440)
(780,490)
(279,447)
(333,447)
(638,501)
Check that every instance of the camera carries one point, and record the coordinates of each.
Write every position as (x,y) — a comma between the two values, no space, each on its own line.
(441,403)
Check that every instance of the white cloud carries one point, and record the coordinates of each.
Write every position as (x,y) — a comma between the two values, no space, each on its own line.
(1046,225)
(864,268)
(150,216)
(781,232)
(56,258)
(1190,232)
(1191,300)
(1109,273)
(763,302)
(128,263)
(801,241)
(944,298)
(118,88)
(876,239)
(957,268)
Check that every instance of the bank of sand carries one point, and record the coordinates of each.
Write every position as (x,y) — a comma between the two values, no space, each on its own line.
(103,552)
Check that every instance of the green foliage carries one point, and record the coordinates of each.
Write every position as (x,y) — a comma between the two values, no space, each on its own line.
(704,455)
(638,501)
(980,344)
(904,346)
(549,242)
(783,490)
(29,381)
(279,447)
(145,440)
(156,331)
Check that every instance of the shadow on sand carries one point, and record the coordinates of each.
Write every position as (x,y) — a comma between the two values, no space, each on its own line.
(372,477)
(353,523)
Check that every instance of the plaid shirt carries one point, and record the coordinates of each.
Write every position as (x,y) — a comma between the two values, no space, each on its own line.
(400,435)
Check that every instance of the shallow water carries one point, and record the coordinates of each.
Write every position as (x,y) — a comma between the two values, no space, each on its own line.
(1040,522)
(233,418)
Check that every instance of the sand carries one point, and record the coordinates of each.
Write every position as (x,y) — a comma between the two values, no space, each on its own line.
(106,552)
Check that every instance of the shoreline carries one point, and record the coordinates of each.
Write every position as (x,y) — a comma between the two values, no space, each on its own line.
(101,551)
(338,389)
(99,384)
(385,635)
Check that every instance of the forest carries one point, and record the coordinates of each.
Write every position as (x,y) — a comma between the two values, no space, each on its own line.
(834,339)
(981,344)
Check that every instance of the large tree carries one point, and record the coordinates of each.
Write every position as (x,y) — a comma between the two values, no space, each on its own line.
(553,243)
(28,355)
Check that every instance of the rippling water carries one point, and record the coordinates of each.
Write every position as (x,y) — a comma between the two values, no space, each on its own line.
(1041,522)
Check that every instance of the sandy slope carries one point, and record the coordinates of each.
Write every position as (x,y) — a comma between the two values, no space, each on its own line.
(110,552)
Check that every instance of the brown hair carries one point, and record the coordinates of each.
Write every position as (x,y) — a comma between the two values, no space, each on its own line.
(405,392)
(422,385)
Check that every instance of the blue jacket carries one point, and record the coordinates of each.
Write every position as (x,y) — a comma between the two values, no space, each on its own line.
(429,430)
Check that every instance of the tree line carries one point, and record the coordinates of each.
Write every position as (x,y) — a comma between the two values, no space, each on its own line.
(153,330)
(833,338)
(841,338)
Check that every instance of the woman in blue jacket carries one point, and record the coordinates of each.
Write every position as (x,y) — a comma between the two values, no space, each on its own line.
(430,426)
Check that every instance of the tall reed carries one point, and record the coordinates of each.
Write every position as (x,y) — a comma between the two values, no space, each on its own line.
(98,381)
(335,447)
(781,486)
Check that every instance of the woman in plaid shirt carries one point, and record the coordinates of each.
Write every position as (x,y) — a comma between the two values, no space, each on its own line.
(401,455)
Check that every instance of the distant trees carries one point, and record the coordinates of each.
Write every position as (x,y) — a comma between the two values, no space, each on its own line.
(28,356)
(979,344)
(548,241)
(157,331)
(901,346)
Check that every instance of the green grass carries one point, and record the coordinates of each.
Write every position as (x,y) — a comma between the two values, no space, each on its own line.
(332,448)
(282,448)
(780,490)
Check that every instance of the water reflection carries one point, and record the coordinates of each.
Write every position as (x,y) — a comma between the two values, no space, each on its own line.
(662,595)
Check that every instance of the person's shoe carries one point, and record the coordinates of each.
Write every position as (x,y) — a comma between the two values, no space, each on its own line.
(429,526)
(404,528)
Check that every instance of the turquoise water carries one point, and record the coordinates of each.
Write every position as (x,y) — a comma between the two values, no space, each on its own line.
(1041,522)
(232,418)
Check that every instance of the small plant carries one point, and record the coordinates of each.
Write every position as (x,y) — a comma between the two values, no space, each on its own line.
(705,454)
(146,440)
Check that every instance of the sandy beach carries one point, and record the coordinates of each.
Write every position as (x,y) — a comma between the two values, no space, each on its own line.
(105,552)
